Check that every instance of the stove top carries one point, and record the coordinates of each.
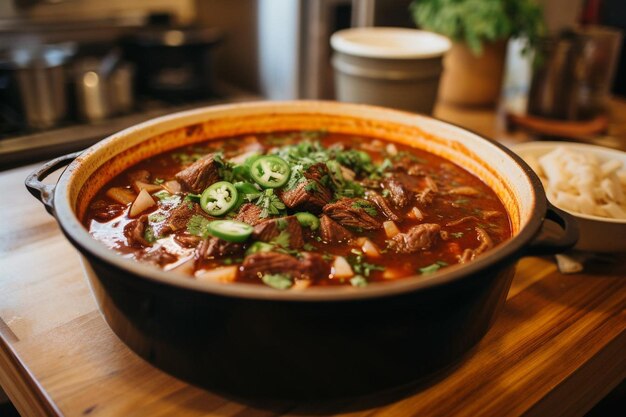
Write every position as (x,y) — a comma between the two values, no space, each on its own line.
(20,149)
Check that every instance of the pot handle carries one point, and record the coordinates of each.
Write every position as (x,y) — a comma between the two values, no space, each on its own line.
(551,246)
(45,192)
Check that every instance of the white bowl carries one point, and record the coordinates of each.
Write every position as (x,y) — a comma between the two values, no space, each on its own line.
(597,234)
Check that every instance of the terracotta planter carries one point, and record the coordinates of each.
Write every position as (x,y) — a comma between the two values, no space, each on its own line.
(471,80)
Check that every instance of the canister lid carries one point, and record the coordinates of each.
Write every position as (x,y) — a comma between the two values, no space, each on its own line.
(390,43)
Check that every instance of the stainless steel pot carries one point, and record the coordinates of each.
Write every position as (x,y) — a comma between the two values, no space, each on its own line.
(40,72)
(104,87)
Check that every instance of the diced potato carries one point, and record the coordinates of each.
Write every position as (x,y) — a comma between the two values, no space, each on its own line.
(370,249)
(143,202)
(186,267)
(341,268)
(151,188)
(121,195)
(173,187)
(415,214)
(390,229)
(223,274)
(301,284)
(391,149)
(393,273)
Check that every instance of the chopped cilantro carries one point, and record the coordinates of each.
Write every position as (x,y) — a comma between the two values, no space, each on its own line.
(231,261)
(192,197)
(257,247)
(149,235)
(197,225)
(159,181)
(156,217)
(360,266)
(270,204)
(430,269)
(225,168)
(461,201)
(457,235)
(358,161)
(328,257)
(358,281)
(166,197)
(366,206)
(311,187)
(281,223)
(308,247)
(384,166)
(386,193)
(281,240)
(278,281)
(365,268)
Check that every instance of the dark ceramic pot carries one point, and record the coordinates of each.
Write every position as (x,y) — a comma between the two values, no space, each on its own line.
(323,342)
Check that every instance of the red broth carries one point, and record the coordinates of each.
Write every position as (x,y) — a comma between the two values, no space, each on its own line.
(376,211)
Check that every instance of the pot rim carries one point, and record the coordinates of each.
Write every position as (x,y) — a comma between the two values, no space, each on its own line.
(90,247)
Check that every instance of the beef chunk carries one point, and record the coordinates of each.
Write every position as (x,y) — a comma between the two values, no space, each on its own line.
(135,232)
(381,203)
(105,211)
(331,231)
(306,197)
(158,256)
(485,244)
(270,229)
(311,265)
(420,237)
(310,194)
(199,175)
(250,213)
(399,194)
(409,165)
(217,248)
(187,241)
(404,188)
(180,215)
(354,212)
(425,197)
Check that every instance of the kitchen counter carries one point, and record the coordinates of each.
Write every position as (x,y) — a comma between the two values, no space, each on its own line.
(557,347)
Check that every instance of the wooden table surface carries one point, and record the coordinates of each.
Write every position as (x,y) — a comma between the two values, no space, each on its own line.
(558,347)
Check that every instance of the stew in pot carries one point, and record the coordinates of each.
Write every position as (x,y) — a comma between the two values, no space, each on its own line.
(295,209)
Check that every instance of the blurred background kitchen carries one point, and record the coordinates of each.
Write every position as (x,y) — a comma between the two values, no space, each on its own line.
(74,71)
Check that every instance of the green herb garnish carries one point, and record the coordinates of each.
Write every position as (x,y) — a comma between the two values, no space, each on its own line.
(166,197)
(281,240)
(270,204)
(278,281)
(430,269)
(197,226)
(358,281)
(156,217)
(149,235)
(365,206)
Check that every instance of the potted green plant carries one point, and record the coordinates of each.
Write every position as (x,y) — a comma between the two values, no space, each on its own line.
(480,30)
